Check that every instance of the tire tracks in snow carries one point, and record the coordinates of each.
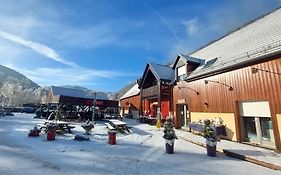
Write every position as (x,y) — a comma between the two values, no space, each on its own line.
(10,150)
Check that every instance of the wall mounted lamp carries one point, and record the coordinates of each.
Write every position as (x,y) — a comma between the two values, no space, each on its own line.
(255,70)
(189,89)
(206,105)
(230,88)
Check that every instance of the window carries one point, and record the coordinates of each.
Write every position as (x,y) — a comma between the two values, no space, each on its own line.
(181,72)
(210,62)
(181,77)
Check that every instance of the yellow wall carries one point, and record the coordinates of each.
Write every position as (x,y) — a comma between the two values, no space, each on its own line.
(278,116)
(228,120)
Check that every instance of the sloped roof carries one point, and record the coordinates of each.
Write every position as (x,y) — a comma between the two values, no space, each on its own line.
(124,90)
(70,92)
(131,92)
(163,72)
(188,59)
(191,59)
(252,42)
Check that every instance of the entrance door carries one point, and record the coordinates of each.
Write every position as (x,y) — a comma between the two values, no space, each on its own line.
(257,124)
(183,115)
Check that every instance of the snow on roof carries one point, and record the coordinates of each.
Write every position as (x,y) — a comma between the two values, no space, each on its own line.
(251,42)
(131,92)
(71,92)
(191,59)
(163,72)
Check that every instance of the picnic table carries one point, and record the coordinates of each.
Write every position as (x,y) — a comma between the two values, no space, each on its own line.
(61,125)
(147,119)
(117,125)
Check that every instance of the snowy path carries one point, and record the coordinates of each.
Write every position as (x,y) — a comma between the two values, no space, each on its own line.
(141,152)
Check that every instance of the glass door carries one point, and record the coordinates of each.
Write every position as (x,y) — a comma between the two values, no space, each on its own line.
(183,115)
(258,130)
(267,137)
(250,130)
(256,118)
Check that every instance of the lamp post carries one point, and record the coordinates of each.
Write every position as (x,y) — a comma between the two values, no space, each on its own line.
(94,106)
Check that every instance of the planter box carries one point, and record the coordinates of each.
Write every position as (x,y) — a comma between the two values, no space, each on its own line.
(169,145)
(220,131)
(170,148)
(211,150)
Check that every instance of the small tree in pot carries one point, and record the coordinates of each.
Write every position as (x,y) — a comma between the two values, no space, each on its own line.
(169,135)
(210,136)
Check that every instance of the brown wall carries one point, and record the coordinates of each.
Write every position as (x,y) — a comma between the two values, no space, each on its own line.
(134,100)
(246,87)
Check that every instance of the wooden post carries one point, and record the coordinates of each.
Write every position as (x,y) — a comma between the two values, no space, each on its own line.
(141,107)
(159,96)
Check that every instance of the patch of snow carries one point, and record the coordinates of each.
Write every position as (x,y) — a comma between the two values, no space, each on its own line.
(141,152)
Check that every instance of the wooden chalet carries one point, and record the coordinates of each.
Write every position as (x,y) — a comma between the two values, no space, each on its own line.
(155,90)
(239,81)
(130,102)
(236,78)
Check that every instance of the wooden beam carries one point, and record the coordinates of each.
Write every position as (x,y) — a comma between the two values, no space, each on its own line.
(159,94)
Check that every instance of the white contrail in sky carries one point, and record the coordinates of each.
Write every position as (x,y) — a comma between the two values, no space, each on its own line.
(163,21)
(39,48)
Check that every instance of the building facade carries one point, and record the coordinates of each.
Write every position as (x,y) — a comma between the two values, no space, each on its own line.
(236,78)
(156,90)
(239,82)
(130,102)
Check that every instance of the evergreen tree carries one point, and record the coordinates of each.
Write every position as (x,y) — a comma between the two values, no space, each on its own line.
(169,132)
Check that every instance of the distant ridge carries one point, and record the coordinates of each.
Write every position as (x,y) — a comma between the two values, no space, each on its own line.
(124,90)
(7,74)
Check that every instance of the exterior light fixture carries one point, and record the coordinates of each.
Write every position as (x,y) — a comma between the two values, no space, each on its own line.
(256,70)
(206,105)
(189,89)
(230,88)
(206,81)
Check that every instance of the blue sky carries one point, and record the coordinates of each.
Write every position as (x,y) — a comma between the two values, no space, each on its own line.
(105,44)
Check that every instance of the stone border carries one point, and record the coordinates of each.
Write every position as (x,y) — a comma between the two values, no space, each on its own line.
(236,155)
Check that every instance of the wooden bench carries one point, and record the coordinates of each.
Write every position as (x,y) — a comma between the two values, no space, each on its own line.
(109,126)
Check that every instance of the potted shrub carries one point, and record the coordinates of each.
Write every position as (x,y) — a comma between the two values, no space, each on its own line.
(210,136)
(169,135)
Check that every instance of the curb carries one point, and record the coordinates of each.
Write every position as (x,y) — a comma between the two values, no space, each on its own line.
(238,156)
(200,144)
(252,160)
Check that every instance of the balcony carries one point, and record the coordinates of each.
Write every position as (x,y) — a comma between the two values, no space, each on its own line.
(150,92)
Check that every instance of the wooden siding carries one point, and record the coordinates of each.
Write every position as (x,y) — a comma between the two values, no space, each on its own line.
(134,101)
(247,86)
(150,92)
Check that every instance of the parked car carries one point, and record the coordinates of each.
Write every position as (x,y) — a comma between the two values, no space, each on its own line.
(8,113)
(28,110)
(2,112)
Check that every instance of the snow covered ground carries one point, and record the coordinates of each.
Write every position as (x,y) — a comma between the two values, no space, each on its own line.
(141,152)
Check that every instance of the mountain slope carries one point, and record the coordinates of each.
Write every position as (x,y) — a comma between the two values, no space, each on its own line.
(16,89)
(12,76)
(124,90)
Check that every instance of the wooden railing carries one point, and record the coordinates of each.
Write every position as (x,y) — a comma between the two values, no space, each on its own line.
(150,92)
